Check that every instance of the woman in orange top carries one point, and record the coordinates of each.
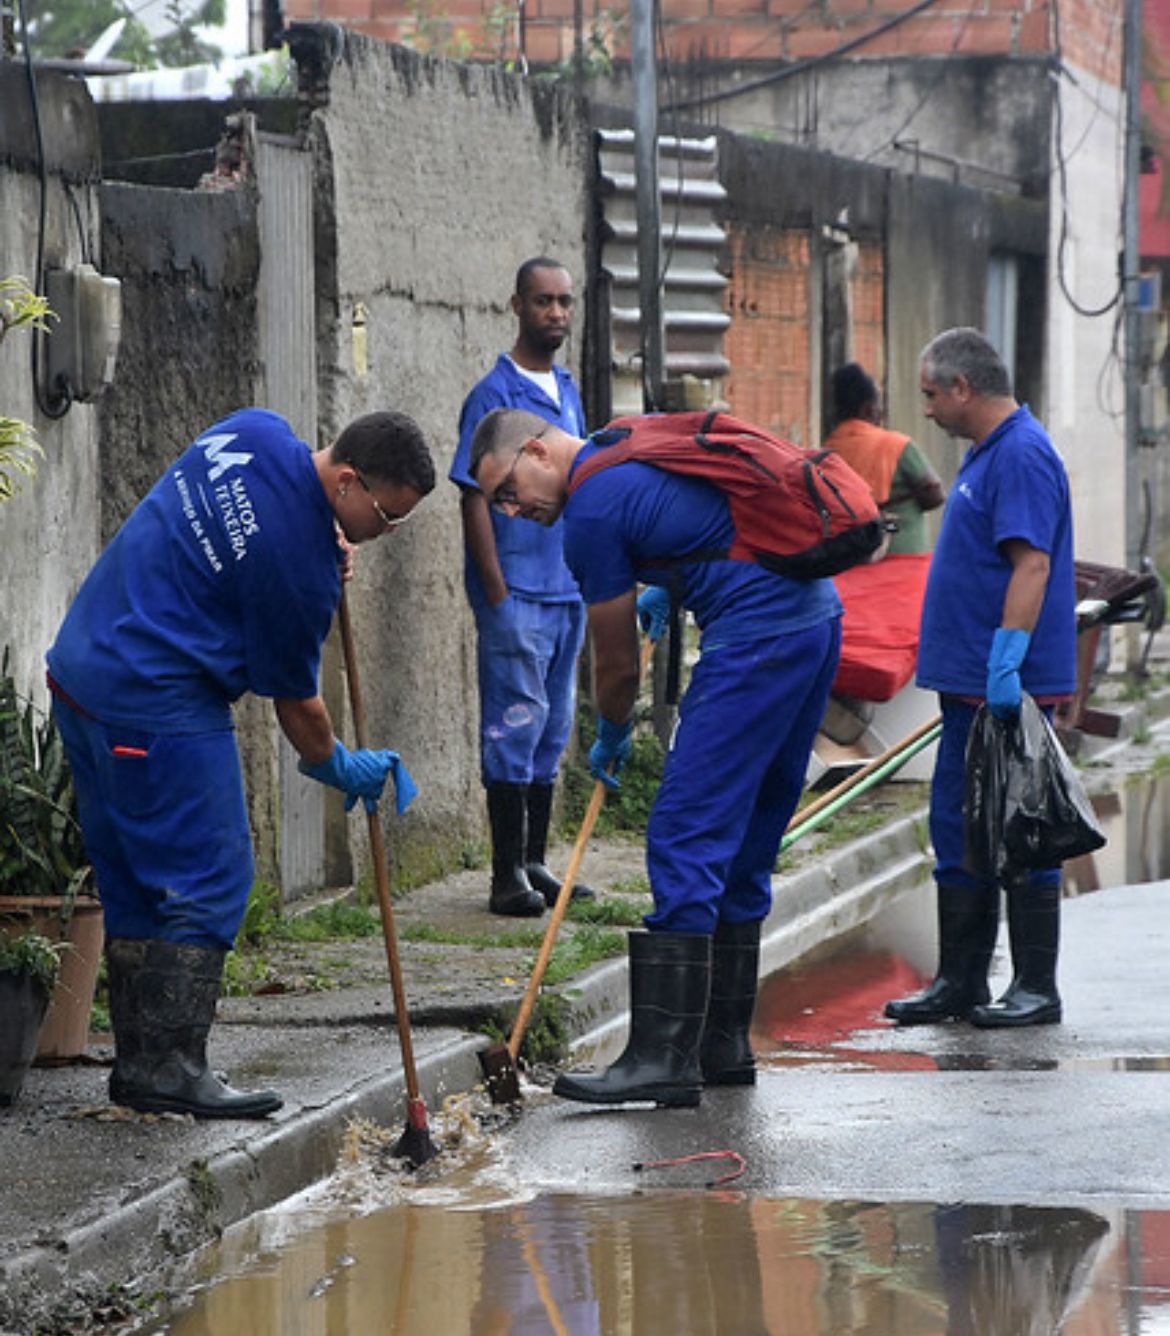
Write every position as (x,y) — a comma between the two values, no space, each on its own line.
(904,484)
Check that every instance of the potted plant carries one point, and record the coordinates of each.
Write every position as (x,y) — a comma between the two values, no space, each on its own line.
(45,877)
(29,971)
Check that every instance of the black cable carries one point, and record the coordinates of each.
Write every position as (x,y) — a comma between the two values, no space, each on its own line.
(64,403)
(943,71)
(1062,177)
(803,66)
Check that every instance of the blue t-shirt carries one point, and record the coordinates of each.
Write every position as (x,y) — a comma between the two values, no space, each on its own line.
(531,556)
(224,579)
(622,517)
(1011,485)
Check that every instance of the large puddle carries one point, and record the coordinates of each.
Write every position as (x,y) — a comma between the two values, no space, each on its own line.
(452,1259)
(671,1264)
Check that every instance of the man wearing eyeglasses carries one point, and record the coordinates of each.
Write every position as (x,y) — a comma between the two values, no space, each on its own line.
(528,613)
(224,579)
(767,655)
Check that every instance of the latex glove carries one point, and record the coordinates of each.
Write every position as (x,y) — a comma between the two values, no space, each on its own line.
(1009,647)
(610,752)
(362,774)
(654,611)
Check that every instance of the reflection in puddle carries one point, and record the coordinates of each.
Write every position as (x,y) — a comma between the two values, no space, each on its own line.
(811,1014)
(674,1263)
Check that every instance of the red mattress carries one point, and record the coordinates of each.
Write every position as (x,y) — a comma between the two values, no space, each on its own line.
(879,634)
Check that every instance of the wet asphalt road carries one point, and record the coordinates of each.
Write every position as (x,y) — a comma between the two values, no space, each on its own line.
(1072,1113)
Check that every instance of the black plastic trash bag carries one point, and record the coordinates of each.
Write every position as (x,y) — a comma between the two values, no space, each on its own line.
(1025,807)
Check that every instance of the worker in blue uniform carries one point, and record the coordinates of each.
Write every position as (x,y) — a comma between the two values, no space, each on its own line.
(529,618)
(224,579)
(998,618)
(768,652)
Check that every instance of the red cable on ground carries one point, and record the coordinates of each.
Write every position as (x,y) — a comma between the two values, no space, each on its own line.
(701,1155)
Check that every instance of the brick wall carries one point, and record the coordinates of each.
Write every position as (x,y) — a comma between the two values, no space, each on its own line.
(768,299)
(767,344)
(1088,31)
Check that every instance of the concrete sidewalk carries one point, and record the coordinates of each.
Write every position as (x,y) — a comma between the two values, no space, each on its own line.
(92,1201)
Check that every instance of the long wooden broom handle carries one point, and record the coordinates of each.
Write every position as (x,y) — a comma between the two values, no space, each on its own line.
(563,895)
(378,856)
(864,772)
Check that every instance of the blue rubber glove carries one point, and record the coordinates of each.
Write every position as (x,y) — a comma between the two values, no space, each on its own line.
(610,752)
(1009,647)
(362,774)
(654,611)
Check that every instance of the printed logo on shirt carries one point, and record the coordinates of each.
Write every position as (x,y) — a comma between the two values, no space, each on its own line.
(229,498)
(220,457)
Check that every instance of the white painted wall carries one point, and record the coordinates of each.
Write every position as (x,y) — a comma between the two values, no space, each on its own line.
(1084,391)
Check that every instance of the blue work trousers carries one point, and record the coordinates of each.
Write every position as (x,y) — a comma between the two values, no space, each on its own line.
(527,659)
(948,798)
(165,826)
(734,776)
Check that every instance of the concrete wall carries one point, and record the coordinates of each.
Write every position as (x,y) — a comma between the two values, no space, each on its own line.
(49,533)
(1084,389)
(435,182)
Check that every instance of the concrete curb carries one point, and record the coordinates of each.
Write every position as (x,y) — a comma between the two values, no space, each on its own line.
(157,1233)
(841,892)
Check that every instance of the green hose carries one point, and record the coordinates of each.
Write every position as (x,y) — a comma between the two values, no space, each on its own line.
(862,786)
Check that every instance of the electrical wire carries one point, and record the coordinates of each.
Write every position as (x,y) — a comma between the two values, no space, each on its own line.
(58,409)
(733,1155)
(803,66)
(942,73)
(1062,179)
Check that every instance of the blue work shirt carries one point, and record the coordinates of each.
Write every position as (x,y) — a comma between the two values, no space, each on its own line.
(531,556)
(1011,485)
(622,517)
(224,579)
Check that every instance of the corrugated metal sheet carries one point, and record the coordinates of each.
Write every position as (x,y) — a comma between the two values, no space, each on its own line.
(693,243)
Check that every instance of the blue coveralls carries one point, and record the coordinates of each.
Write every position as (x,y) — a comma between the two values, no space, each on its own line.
(756,697)
(1011,485)
(527,646)
(224,579)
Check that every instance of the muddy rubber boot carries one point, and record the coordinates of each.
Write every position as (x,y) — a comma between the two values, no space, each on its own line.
(968,920)
(1034,931)
(162,1004)
(511,892)
(670,977)
(542,879)
(725,1052)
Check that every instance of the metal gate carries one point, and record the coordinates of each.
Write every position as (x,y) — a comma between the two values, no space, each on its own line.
(288,384)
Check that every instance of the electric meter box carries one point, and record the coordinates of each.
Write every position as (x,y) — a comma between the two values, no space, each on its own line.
(82,346)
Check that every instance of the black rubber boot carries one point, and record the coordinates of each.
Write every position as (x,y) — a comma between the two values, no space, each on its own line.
(511,892)
(725,1053)
(162,1004)
(670,976)
(1034,931)
(968,920)
(542,879)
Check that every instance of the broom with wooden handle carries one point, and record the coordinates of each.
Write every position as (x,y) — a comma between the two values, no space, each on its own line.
(498,1061)
(415,1143)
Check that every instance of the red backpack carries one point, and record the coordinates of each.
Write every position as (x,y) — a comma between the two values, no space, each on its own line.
(802,513)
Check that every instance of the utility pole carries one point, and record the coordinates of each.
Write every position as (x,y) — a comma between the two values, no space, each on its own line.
(647,202)
(1131,271)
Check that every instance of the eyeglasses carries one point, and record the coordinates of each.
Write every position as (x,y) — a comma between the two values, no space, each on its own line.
(505,493)
(390,521)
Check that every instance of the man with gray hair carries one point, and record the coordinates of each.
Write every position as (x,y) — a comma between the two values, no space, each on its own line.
(998,618)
